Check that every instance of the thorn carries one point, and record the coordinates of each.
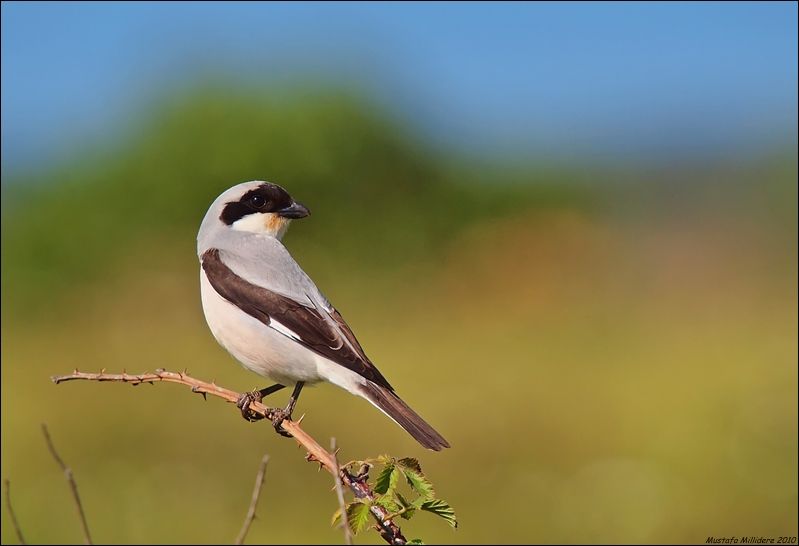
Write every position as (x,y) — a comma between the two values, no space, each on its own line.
(196,390)
(335,453)
(102,371)
(159,370)
(75,371)
(300,419)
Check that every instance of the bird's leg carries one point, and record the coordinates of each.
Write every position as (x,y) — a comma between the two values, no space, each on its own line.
(244,401)
(280,414)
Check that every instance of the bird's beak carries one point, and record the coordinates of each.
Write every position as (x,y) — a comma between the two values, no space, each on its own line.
(296,210)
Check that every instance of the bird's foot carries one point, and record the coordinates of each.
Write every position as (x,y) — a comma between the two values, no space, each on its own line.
(243,403)
(278,416)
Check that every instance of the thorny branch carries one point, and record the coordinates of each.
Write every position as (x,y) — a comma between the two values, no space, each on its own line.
(390,532)
(259,484)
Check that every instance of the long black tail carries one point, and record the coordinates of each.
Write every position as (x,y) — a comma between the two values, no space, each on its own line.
(408,419)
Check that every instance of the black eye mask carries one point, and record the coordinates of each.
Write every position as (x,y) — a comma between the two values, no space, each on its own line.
(265,198)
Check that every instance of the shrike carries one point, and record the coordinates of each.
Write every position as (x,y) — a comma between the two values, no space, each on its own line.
(264,309)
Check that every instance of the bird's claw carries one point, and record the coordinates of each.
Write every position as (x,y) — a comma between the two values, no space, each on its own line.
(243,403)
(278,416)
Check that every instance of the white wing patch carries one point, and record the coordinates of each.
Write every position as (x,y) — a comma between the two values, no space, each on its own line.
(275,325)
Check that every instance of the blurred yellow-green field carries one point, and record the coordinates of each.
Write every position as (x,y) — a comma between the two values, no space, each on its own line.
(611,362)
(565,232)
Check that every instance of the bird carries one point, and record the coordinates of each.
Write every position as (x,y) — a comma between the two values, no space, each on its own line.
(270,316)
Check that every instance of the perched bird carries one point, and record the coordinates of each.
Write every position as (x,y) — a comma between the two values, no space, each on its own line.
(262,307)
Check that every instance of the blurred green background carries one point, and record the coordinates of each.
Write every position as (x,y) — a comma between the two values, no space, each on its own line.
(608,341)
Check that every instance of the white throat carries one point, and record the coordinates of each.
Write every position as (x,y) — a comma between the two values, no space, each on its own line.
(263,223)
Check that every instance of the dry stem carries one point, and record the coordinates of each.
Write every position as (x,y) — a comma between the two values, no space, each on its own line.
(259,483)
(72,484)
(340,495)
(14,521)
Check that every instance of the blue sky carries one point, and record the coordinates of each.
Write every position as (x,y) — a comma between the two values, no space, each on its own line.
(492,79)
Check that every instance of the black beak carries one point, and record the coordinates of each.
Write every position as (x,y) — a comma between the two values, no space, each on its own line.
(296,210)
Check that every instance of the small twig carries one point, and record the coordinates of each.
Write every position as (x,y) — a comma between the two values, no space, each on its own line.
(71,479)
(340,494)
(256,492)
(389,530)
(11,513)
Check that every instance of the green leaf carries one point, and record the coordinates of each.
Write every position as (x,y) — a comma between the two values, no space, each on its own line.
(387,479)
(403,501)
(415,541)
(388,502)
(413,473)
(357,516)
(419,483)
(442,510)
(410,463)
(410,509)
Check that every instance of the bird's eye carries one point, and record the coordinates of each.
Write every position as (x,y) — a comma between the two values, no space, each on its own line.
(257,201)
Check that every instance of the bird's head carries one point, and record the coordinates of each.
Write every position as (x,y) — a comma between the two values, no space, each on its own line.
(256,207)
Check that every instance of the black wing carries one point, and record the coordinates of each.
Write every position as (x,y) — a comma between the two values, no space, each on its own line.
(334,343)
